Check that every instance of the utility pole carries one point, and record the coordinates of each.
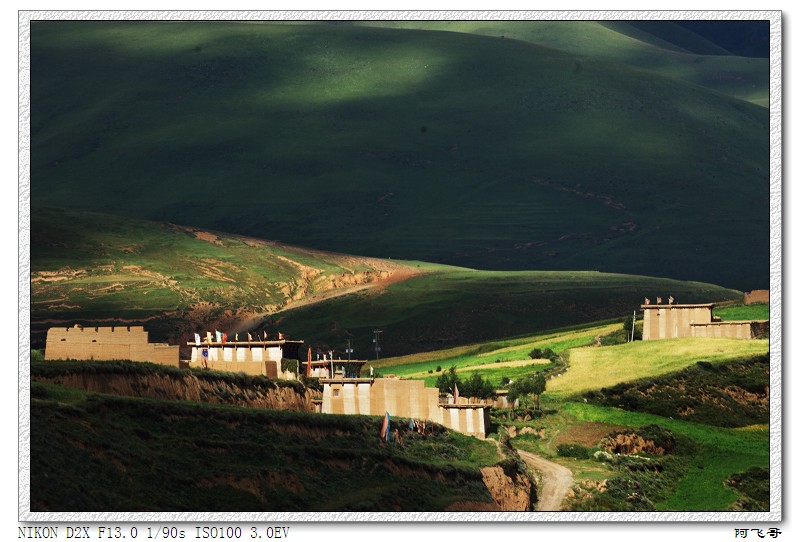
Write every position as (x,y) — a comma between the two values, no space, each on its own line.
(633,325)
(377,333)
(349,350)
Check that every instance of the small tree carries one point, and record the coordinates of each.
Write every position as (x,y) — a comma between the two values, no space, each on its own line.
(526,386)
(627,325)
(547,353)
(448,380)
(538,385)
(476,386)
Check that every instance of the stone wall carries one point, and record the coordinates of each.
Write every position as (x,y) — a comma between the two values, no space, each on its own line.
(107,343)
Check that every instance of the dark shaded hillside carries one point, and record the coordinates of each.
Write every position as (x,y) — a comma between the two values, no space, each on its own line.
(103,453)
(446,147)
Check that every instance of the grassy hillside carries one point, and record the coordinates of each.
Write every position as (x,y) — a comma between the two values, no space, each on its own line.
(661,47)
(729,394)
(695,389)
(450,147)
(595,368)
(694,477)
(122,454)
(94,268)
(449,308)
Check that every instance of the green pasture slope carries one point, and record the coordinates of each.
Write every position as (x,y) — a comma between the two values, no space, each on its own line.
(450,147)
(123,454)
(90,268)
(675,52)
(757,311)
(711,454)
(721,453)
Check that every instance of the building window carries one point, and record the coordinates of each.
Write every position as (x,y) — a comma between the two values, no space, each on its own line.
(336,393)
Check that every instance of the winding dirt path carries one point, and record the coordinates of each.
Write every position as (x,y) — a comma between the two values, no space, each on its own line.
(556,481)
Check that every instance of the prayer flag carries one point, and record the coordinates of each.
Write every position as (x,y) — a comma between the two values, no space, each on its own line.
(386,427)
(411,424)
(455,395)
(280,336)
(205,352)
(209,340)
(308,365)
(197,339)
(646,301)
(249,337)
(219,336)
(658,300)
(237,337)
(224,337)
(671,299)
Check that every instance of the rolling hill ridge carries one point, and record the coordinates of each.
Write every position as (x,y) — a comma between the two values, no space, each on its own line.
(451,147)
(97,269)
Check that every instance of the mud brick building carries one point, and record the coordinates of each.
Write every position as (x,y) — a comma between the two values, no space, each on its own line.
(679,321)
(107,343)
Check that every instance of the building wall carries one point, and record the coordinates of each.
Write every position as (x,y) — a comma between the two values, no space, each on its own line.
(107,343)
(252,360)
(673,321)
(756,296)
(732,330)
(401,398)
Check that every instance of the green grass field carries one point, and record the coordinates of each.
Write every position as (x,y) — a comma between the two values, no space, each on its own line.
(722,452)
(453,147)
(602,367)
(758,311)
(487,353)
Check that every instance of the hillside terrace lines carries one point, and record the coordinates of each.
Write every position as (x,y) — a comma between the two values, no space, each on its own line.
(602,198)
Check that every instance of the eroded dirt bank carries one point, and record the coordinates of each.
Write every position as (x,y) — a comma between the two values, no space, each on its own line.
(189,387)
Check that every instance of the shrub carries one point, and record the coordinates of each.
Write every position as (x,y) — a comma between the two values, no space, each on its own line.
(289,365)
(311,382)
(573,450)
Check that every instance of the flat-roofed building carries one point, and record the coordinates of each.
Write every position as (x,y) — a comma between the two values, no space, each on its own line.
(680,321)
(107,343)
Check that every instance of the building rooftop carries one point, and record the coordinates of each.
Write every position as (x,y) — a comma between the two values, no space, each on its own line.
(215,344)
(679,306)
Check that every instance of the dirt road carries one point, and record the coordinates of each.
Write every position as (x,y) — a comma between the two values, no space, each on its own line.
(555,482)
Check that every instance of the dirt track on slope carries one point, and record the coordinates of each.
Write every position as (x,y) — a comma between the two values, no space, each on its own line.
(555,482)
